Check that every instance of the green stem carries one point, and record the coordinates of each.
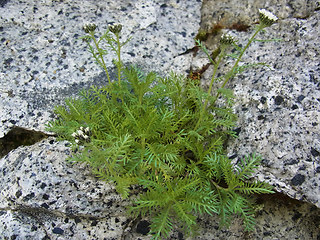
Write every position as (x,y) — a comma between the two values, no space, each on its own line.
(119,58)
(101,56)
(216,65)
(237,62)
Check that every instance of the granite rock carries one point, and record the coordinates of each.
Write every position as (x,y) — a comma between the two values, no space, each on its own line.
(43,61)
(44,197)
(278,107)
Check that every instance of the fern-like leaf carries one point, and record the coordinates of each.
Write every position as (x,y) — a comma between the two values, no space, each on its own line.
(247,166)
(161,225)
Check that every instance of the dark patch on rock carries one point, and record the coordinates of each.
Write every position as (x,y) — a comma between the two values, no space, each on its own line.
(43,185)
(77,220)
(44,205)
(3,2)
(263,100)
(57,230)
(180,236)
(296,216)
(18,193)
(291,162)
(314,152)
(300,98)
(45,196)
(143,227)
(298,179)
(94,223)
(278,100)
(29,196)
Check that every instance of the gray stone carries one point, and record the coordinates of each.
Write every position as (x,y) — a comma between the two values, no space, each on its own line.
(278,108)
(44,197)
(43,61)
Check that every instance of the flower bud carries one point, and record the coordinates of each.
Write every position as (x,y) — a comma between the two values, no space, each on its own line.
(90,27)
(226,39)
(80,133)
(115,28)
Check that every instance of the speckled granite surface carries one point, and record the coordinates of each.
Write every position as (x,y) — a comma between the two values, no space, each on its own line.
(59,201)
(42,62)
(278,108)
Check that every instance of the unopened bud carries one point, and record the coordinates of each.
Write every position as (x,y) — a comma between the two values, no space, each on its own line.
(115,28)
(90,27)
(226,39)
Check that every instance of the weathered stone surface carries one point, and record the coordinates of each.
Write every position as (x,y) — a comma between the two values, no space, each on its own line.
(42,62)
(278,108)
(44,197)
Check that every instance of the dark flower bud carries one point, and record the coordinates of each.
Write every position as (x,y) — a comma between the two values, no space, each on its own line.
(226,39)
(90,27)
(115,28)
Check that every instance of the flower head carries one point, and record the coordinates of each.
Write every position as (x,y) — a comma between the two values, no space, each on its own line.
(82,134)
(115,28)
(227,39)
(267,18)
(90,27)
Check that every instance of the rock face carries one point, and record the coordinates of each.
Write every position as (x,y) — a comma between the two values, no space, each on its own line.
(278,107)
(43,61)
(44,197)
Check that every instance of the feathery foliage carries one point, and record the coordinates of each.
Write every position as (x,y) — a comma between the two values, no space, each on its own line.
(166,135)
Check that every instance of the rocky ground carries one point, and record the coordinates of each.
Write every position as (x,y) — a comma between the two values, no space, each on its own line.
(43,61)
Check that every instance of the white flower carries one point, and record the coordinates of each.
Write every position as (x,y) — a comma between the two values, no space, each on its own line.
(80,133)
(74,135)
(267,18)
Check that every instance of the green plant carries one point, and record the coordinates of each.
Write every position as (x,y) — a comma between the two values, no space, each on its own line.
(166,135)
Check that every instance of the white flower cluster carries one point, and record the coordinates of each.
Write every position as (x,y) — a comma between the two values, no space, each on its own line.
(267,18)
(83,134)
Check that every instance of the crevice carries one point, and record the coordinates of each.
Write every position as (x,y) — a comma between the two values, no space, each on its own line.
(37,212)
(19,136)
